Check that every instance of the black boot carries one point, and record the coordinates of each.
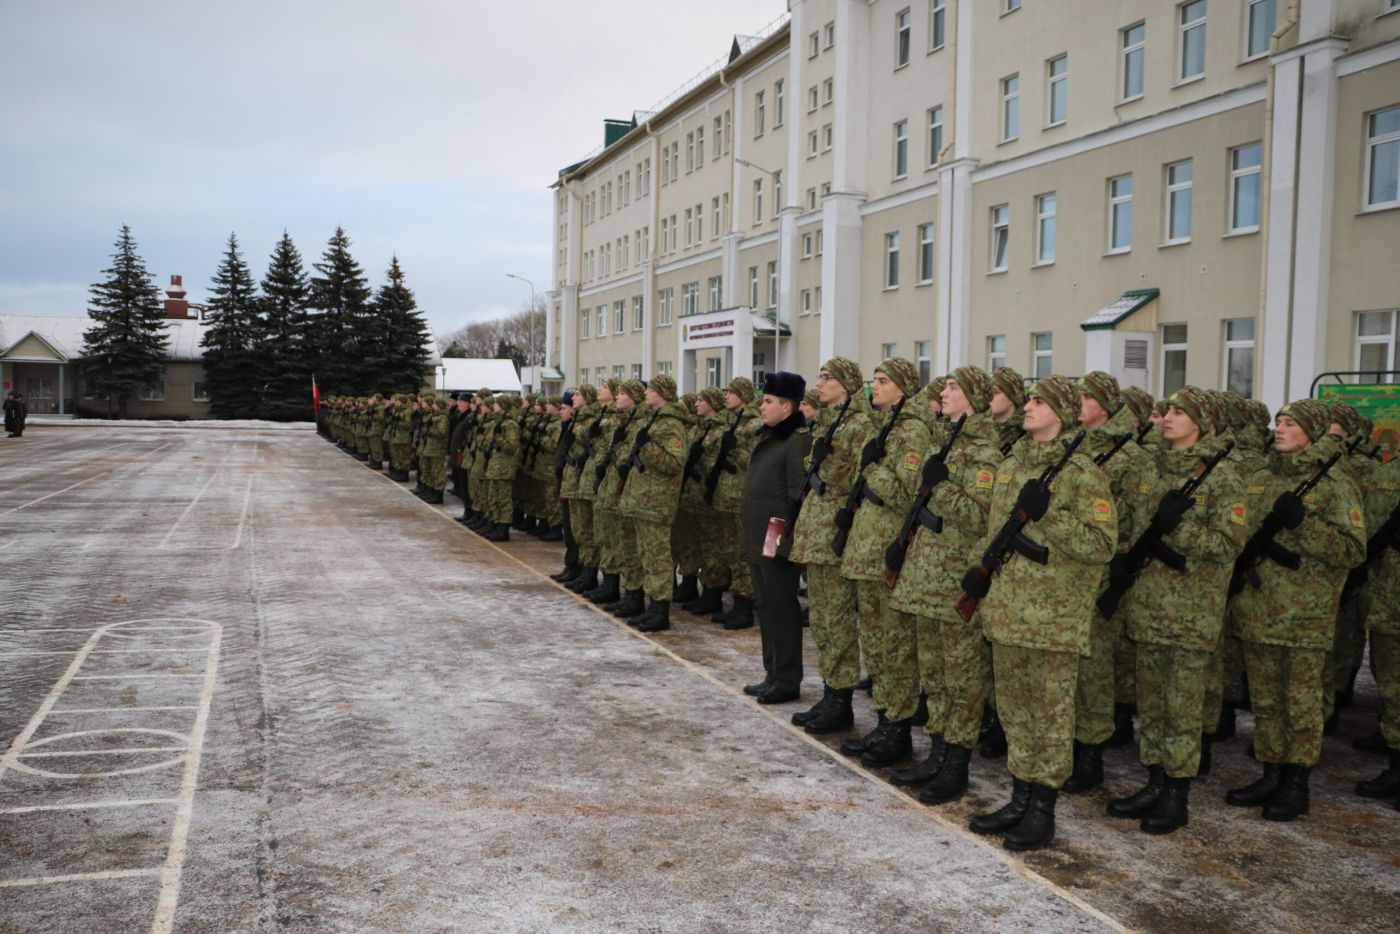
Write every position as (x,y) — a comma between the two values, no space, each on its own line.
(802,716)
(742,615)
(1088,769)
(1225,729)
(569,573)
(1140,802)
(951,780)
(656,619)
(418,488)
(435,497)
(1037,828)
(855,747)
(1348,694)
(710,601)
(687,590)
(866,684)
(605,592)
(921,711)
(374,464)
(554,533)
(1122,726)
(1203,769)
(722,615)
(924,771)
(499,533)
(1292,798)
(1008,815)
(1259,791)
(838,715)
(895,745)
(628,605)
(1384,785)
(993,744)
(1169,812)
(1371,742)
(1334,720)
(586,580)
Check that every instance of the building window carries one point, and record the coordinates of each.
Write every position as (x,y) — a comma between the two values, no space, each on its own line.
(713,372)
(689,226)
(759,374)
(714,217)
(1173,358)
(582,375)
(925,255)
(1134,53)
(828,91)
(758,113)
(1261,16)
(817,299)
(1375,342)
(758,201)
(201,391)
(665,306)
(663,367)
(689,153)
(1193,40)
(935,134)
(699,145)
(585,318)
(1058,98)
(638,313)
(1244,188)
(806,301)
(1042,350)
(888,350)
(1010,108)
(619,372)
(1239,356)
(830,30)
(1001,237)
(1179,202)
(826,137)
(636,371)
(716,285)
(892,260)
(813,99)
(923,350)
(903,23)
(717,137)
(777,192)
(901,148)
(602,316)
(1010,6)
(806,246)
(996,352)
(1045,228)
(1383,158)
(690,298)
(812,147)
(937,24)
(753,287)
(772,284)
(814,44)
(819,243)
(1120,214)
(779,104)
(619,317)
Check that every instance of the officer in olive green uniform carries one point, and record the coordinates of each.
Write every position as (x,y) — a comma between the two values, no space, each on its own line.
(1037,616)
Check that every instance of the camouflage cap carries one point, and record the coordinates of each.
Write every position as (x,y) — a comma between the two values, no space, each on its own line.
(1061,395)
(714,397)
(812,399)
(1102,388)
(589,393)
(634,389)
(614,385)
(742,387)
(1352,421)
(1011,384)
(1312,415)
(846,372)
(902,373)
(1257,413)
(665,386)
(688,402)
(1196,404)
(484,395)
(1139,403)
(935,387)
(976,383)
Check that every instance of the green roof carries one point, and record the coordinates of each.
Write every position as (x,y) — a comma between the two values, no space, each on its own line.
(1116,311)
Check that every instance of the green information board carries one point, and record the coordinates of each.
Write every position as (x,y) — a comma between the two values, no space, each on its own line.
(1380,402)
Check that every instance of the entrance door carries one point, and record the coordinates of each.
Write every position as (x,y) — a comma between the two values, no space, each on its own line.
(38,391)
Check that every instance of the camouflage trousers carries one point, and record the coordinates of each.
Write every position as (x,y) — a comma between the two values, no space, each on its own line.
(476,489)
(1035,700)
(1385,663)
(686,543)
(1094,693)
(708,530)
(1348,646)
(497,502)
(552,509)
(965,657)
(1124,658)
(606,532)
(1285,693)
(653,549)
(928,656)
(398,456)
(376,447)
(1213,700)
(432,469)
(831,604)
(581,524)
(888,642)
(740,581)
(361,442)
(1171,695)
(626,562)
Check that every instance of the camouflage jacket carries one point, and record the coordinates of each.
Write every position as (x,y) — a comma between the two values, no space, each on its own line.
(731,482)
(379,421)
(1299,608)
(599,437)
(435,435)
(1010,430)
(653,486)
(816,523)
(542,457)
(1049,606)
(584,421)
(612,454)
(706,432)
(400,432)
(1187,608)
(504,444)
(893,479)
(933,567)
(1132,475)
(1384,582)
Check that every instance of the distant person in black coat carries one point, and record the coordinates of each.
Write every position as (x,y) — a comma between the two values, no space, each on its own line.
(16,412)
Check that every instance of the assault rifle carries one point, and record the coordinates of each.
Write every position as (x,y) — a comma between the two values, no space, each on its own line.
(695,455)
(1143,432)
(872,452)
(821,450)
(1104,457)
(561,453)
(1006,448)
(1124,572)
(618,434)
(1385,537)
(1261,544)
(634,457)
(727,444)
(1011,538)
(595,430)
(919,513)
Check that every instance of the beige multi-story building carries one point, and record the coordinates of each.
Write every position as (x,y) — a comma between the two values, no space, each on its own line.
(1200,191)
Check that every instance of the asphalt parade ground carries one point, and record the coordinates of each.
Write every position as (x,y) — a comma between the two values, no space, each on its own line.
(248,685)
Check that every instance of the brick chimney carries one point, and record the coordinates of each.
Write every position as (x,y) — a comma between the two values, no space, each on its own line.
(175,305)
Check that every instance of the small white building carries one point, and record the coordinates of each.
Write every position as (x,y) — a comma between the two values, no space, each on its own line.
(468,374)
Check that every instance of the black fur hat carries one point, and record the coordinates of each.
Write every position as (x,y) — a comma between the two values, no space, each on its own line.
(786,385)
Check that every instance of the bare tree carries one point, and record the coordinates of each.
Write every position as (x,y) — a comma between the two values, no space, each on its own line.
(484,338)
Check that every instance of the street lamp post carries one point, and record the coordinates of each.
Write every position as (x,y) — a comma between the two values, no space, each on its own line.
(533,367)
(778,306)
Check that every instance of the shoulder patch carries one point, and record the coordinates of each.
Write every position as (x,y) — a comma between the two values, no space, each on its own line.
(912,461)
(1103,510)
(1357,520)
(676,444)
(1004,478)
(1144,488)
(1254,489)
(985,477)
(1237,513)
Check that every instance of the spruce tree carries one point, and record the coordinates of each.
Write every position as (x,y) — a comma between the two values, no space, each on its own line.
(125,349)
(283,370)
(400,354)
(230,343)
(339,334)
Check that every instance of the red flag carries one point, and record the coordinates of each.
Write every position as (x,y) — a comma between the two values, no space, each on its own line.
(315,396)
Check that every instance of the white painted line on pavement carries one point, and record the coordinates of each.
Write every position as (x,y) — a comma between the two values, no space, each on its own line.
(88,805)
(111,652)
(193,502)
(71,710)
(131,677)
(78,877)
(35,502)
(99,752)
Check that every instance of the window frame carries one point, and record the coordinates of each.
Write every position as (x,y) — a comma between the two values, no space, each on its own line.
(772,284)
(903,37)
(1000,233)
(1229,345)
(1037,354)
(1373,141)
(829,35)
(937,25)
(760,108)
(1046,221)
(779,102)
(665,306)
(892,245)
(996,355)
(1392,340)
(619,322)
(1237,176)
(1056,84)
(928,258)
(758,201)
(935,135)
(638,313)
(1250,6)
(814,47)
(1126,51)
(805,305)
(1010,109)
(1114,201)
(1182,347)
(585,324)
(1184,33)
(901,149)
(753,288)
(1170,190)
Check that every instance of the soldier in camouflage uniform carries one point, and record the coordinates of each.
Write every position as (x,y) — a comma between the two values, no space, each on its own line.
(650,493)
(550,527)
(432,463)
(699,521)
(1353,430)
(475,458)
(1139,403)
(607,524)
(741,403)
(577,467)
(831,598)
(1008,404)
(955,659)
(685,547)
(400,440)
(1287,623)
(376,432)
(502,460)
(1037,616)
(620,548)
(1383,623)
(890,471)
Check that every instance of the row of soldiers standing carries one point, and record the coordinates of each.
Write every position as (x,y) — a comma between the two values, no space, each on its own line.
(1175,559)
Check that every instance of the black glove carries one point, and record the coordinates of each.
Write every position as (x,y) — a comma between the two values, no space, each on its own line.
(728,443)
(1118,573)
(975,584)
(1171,510)
(642,436)
(618,434)
(819,446)
(872,452)
(1289,510)
(1034,499)
(844,518)
(935,472)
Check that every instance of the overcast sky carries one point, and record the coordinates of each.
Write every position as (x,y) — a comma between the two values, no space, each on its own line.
(428,128)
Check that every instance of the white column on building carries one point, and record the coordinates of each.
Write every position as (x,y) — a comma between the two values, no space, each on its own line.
(791,205)
(955,210)
(567,286)
(649,265)
(841,223)
(1278,285)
